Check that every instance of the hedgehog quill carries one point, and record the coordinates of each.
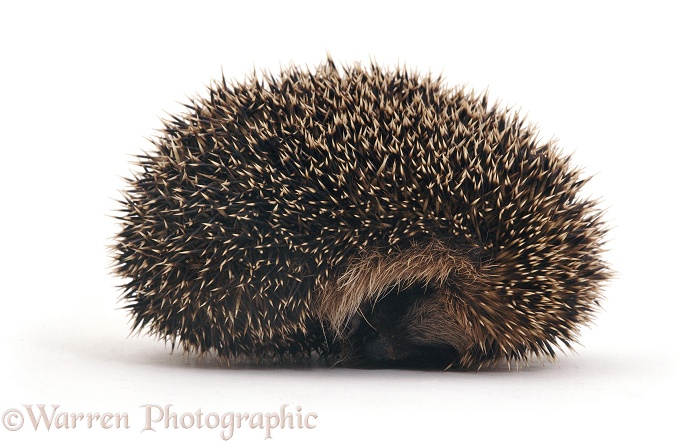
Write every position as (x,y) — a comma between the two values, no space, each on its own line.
(371,216)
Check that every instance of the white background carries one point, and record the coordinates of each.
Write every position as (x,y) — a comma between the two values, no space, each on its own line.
(83,84)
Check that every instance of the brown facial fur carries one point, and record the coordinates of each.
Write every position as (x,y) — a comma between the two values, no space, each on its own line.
(414,326)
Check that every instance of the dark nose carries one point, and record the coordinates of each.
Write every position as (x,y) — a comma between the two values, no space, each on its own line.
(381,349)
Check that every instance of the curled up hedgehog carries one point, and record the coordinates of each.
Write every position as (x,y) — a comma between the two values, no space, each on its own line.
(373,217)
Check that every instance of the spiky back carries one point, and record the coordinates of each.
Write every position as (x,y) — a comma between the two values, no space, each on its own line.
(262,194)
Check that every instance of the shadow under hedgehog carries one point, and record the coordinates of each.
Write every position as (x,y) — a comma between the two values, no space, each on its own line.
(372,216)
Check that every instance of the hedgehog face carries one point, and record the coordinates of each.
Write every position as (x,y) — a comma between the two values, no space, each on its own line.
(405,308)
(412,327)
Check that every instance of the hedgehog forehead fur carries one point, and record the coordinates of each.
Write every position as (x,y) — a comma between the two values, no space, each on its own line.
(365,214)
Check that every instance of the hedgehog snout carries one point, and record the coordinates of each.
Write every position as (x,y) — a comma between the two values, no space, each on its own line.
(406,326)
(383,349)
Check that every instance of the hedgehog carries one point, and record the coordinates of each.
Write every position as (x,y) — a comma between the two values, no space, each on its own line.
(362,215)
